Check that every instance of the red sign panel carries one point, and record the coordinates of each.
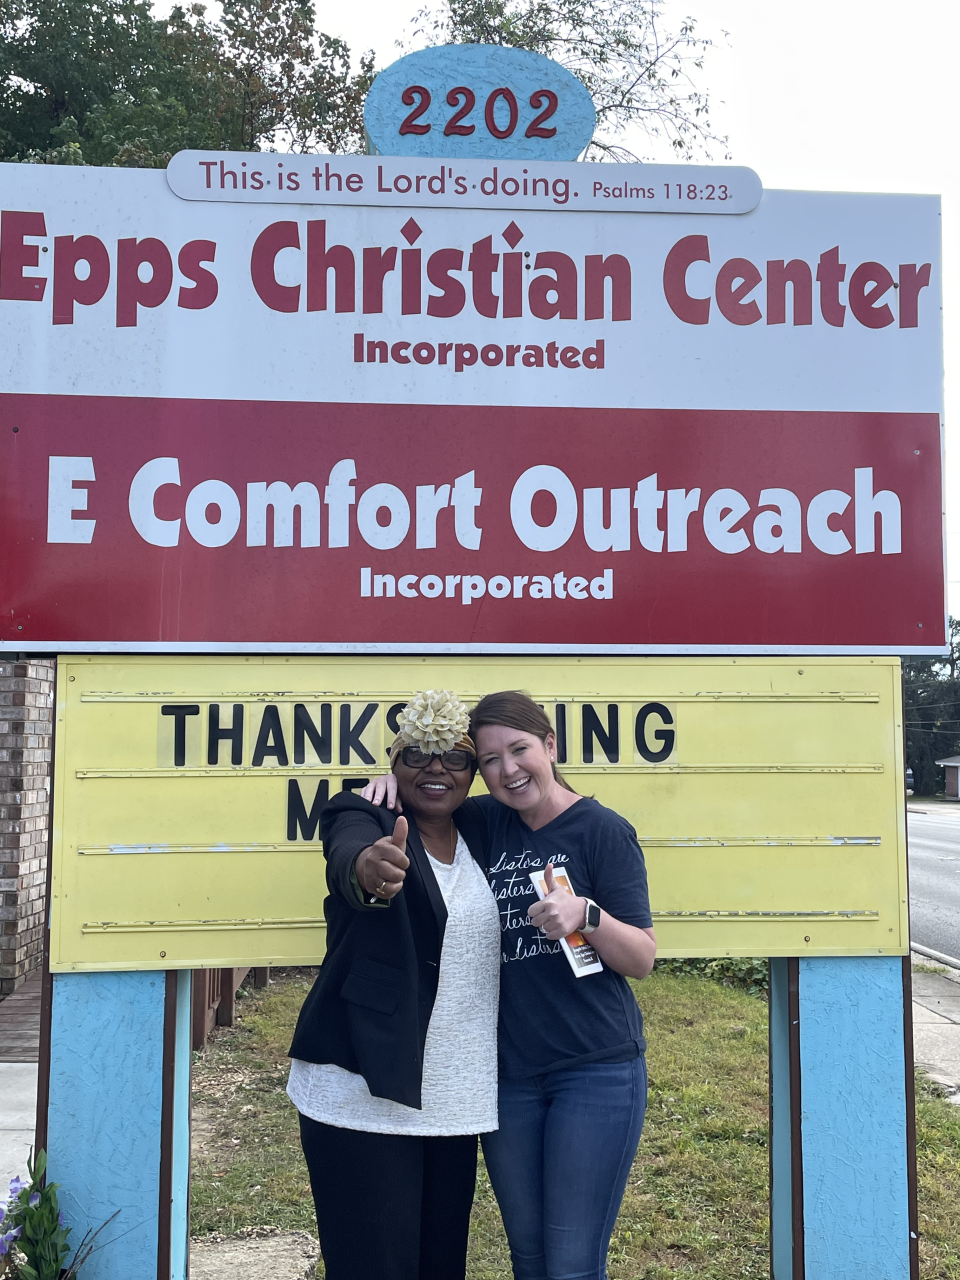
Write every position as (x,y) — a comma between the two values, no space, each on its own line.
(138,523)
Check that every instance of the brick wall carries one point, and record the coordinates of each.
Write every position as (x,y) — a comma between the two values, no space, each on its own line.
(26,725)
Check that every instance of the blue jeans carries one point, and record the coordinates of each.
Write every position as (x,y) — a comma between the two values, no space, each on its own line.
(559,1165)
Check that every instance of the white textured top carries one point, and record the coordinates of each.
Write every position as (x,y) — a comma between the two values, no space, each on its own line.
(460,1056)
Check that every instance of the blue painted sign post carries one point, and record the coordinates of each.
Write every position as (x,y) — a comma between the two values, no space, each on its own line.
(843,1179)
(117,1122)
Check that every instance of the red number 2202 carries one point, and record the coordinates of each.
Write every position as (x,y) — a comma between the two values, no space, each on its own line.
(544,101)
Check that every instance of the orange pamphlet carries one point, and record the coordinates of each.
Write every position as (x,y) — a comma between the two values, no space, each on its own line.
(583,959)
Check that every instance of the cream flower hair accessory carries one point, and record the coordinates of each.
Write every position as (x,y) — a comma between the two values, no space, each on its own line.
(435,721)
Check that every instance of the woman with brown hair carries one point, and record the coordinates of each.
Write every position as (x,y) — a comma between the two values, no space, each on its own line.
(572,1075)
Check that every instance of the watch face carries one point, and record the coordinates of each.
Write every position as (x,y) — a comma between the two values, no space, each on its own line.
(593,915)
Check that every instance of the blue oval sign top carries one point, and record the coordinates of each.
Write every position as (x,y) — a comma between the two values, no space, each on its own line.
(478,101)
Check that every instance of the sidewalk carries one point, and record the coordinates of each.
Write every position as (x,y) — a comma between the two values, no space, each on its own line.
(936,1026)
(19,1045)
(18,1114)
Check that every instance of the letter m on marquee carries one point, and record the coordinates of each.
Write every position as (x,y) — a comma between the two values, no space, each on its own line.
(297,816)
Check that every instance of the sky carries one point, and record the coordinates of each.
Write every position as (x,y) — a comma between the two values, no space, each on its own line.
(838,95)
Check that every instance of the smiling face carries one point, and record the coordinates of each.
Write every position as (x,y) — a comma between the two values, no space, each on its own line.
(516,766)
(434,791)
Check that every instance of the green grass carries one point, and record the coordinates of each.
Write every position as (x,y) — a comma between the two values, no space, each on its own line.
(938,1183)
(248,1170)
(697,1200)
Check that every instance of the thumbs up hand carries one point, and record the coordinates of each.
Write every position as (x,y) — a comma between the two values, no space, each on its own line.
(381,868)
(558,914)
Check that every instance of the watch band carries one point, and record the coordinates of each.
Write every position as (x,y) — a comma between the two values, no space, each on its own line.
(591,917)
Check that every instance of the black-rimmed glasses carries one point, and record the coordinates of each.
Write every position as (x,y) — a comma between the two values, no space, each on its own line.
(456,761)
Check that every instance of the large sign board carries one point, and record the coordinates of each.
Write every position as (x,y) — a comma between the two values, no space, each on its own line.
(322,420)
(767,794)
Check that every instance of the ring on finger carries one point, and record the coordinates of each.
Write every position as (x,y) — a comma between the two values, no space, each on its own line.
(382,886)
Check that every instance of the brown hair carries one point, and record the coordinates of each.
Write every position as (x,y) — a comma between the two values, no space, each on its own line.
(515,710)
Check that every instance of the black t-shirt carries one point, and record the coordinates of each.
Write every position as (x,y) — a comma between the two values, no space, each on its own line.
(548,1017)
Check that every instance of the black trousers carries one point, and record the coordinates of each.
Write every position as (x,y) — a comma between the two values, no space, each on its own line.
(390,1207)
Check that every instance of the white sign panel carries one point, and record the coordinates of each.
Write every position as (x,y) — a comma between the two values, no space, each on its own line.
(417,183)
(249,424)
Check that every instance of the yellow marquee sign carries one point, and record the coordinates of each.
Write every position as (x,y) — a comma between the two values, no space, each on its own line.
(767,794)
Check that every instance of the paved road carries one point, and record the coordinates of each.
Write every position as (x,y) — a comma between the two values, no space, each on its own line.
(934,843)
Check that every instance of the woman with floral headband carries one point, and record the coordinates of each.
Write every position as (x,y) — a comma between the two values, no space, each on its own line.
(394,1067)
(573,1084)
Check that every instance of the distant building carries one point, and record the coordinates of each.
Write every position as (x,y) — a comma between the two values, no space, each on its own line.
(951,770)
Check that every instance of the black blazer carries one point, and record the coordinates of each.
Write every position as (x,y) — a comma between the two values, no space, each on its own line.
(370,1006)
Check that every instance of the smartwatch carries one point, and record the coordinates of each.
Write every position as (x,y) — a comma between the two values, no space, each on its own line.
(592,917)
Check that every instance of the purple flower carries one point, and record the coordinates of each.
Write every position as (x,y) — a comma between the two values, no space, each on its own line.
(7,1240)
(16,1186)
(34,1200)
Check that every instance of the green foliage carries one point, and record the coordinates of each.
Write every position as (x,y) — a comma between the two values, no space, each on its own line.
(639,73)
(108,83)
(43,1237)
(291,83)
(931,706)
(750,974)
(32,1223)
(938,1179)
